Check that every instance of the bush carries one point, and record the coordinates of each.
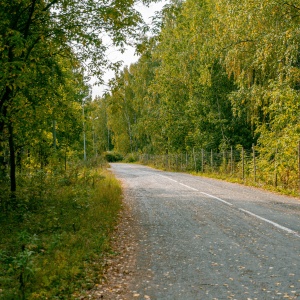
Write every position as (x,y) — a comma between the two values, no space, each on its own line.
(131,158)
(113,156)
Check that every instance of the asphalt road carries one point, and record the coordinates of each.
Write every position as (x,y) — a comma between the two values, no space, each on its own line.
(201,238)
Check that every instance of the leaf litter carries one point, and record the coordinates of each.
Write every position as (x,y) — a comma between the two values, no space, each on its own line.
(120,265)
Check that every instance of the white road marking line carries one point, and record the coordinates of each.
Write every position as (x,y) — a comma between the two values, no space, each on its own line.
(271,222)
(167,178)
(245,211)
(217,198)
(188,186)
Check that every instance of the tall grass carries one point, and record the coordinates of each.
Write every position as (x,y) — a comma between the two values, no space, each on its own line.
(53,242)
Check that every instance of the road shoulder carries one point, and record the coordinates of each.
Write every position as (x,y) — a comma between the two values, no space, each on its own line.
(121,265)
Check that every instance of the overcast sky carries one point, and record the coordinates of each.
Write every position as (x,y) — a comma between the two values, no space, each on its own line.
(128,57)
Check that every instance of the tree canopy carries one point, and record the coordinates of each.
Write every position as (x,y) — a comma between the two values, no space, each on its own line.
(217,74)
(48,50)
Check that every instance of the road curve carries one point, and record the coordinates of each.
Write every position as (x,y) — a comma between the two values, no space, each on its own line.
(201,238)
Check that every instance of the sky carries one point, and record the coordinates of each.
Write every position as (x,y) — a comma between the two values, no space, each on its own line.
(128,57)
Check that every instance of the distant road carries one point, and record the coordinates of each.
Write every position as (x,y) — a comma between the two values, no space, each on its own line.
(201,238)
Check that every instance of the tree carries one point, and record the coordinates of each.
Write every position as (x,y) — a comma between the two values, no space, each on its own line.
(145,105)
(259,43)
(191,83)
(121,112)
(219,74)
(35,33)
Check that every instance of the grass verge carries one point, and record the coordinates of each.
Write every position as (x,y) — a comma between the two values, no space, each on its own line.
(53,242)
(280,190)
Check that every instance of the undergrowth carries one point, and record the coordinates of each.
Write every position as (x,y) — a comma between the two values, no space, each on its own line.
(53,240)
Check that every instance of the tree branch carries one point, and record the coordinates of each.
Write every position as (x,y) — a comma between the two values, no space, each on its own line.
(50,4)
(29,20)
(292,5)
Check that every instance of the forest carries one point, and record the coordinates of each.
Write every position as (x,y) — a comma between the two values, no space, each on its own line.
(213,76)
(216,75)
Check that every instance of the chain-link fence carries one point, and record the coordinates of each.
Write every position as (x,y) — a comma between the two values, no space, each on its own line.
(280,170)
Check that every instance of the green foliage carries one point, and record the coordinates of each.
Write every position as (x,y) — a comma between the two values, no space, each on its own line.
(217,75)
(52,246)
(48,50)
(112,156)
(131,158)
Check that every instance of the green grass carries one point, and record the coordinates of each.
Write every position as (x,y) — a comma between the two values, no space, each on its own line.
(53,242)
(250,182)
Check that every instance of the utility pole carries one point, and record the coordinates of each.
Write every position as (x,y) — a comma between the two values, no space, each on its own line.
(83,126)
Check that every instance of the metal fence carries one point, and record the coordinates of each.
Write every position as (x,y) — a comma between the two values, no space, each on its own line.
(279,170)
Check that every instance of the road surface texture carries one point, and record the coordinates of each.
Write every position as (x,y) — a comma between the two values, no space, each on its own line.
(200,238)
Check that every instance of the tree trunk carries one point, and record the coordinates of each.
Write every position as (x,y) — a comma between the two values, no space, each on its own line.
(13,185)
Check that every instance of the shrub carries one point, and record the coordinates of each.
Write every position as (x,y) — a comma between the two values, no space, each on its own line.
(130,158)
(113,156)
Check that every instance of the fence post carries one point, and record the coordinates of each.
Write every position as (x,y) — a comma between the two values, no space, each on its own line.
(211,161)
(181,161)
(254,163)
(231,160)
(194,154)
(243,164)
(186,160)
(224,162)
(299,166)
(202,160)
(275,167)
